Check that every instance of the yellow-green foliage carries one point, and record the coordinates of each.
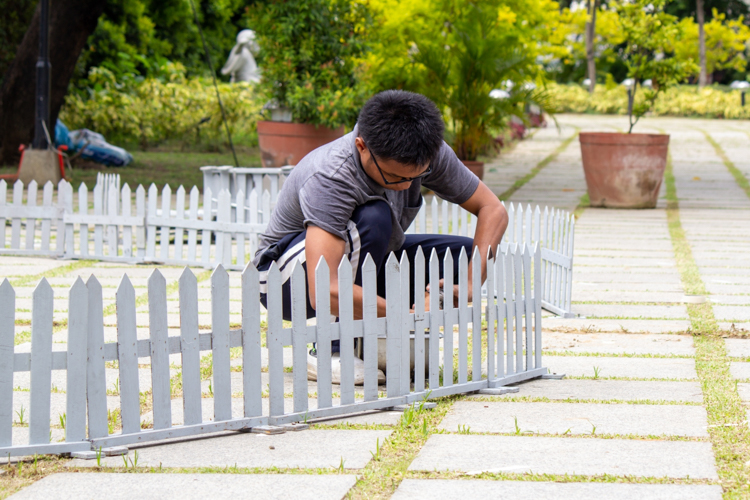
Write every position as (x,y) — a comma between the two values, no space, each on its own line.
(684,100)
(725,42)
(152,111)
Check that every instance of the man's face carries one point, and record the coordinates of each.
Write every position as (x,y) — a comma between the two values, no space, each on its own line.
(389,174)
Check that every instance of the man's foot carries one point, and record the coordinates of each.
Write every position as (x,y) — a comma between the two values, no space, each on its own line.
(359,369)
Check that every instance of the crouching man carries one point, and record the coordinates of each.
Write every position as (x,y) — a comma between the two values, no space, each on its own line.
(358,194)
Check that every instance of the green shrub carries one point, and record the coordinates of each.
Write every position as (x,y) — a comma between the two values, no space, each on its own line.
(683,100)
(150,112)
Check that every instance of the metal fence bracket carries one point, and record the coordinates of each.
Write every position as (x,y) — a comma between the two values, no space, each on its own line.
(269,429)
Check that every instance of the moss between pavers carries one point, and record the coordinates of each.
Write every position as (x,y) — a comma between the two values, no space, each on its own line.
(727,417)
(739,178)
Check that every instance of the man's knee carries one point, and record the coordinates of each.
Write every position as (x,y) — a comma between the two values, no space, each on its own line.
(374,224)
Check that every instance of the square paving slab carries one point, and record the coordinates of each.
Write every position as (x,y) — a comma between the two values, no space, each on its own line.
(580,418)
(552,455)
(738,348)
(439,489)
(591,366)
(305,449)
(70,486)
(609,390)
(740,370)
(619,343)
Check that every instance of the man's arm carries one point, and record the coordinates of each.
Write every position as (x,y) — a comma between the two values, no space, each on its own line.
(320,243)
(492,221)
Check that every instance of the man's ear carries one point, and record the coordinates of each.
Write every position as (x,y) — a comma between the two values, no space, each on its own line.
(360,143)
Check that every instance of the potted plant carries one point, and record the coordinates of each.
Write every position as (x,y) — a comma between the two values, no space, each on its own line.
(310,50)
(626,170)
(476,68)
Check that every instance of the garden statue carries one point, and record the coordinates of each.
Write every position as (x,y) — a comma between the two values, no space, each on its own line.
(241,63)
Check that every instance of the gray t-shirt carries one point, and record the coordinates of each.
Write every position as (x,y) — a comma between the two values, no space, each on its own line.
(328,184)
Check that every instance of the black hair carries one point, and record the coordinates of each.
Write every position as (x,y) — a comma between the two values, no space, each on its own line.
(402,126)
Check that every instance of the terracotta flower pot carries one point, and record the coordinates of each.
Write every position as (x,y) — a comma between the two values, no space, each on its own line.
(623,170)
(476,167)
(283,143)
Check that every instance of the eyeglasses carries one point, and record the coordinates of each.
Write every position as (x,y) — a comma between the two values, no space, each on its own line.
(403,179)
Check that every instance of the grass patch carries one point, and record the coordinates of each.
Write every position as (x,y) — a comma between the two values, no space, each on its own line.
(159,167)
(538,168)
(729,435)
(739,178)
(52,273)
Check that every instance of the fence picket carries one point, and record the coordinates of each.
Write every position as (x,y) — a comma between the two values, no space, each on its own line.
(41,363)
(151,227)
(220,344)
(323,330)
(98,227)
(46,223)
(251,355)
(448,319)
(206,233)
(569,270)
(405,304)
(140,231)
(537,307)
(193,233)
(190,348)
(166,208)
(299,337)
(510,233)
(15,225)
(528,306)
(112,229)
(3,204)
(419,321)
(224,238)
(435,320)
(369,322)
(75,392)
(274,342)
(31,221)
(510,308)
(346,330)
(158,333)
(463,316)
(240,216)
(518,300)
(96,382)
(500,311)
(393,326)
(491,316)
(127,351)
(7,341)
(64,205)
(127,229)
(179,216)
(476,321)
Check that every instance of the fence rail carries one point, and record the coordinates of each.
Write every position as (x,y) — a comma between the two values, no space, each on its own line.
(449,357)
(186,228)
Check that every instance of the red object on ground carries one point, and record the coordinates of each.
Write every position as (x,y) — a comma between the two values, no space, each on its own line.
(623,170)
(284,143)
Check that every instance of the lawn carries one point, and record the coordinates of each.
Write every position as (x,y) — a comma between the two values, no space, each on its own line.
(159,167)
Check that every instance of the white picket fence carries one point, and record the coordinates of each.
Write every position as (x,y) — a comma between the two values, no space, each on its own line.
(184,228)
(448,350)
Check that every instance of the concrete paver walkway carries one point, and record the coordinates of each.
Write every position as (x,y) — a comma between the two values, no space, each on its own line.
(633,413)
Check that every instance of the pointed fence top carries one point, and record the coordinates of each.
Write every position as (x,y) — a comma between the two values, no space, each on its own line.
(43,287)
(392,262)
(218,273)
(345,266)
(77,286)
(93,283)
(322,265)
(156,277)
(369,264)
(125,285)
(249,268)
(6,287)
(187,276)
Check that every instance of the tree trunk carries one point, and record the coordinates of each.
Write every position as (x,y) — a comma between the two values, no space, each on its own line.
(70,24)
(700,14)
(591,6)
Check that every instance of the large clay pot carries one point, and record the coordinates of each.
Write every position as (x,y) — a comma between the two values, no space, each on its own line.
(476,167)
(283,143)
(623,170)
